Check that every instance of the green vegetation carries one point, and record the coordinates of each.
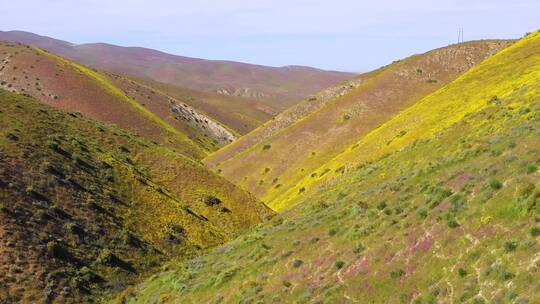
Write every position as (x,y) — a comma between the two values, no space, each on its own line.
(337,120)
(94,207)
(467,209)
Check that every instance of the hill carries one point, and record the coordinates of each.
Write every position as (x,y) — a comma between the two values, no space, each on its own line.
(445,212)
(110,98)
(279,87)
(237,113)
(277,155)
(87,208)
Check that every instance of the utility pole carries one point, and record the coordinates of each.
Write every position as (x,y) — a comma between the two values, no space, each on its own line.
(460,35)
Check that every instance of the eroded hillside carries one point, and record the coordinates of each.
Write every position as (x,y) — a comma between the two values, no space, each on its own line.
(240,114)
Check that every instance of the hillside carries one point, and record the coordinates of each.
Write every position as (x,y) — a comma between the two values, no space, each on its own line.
(440,204)
(278,87)
(238,113)
(87,208)
(277,155)
(110,98)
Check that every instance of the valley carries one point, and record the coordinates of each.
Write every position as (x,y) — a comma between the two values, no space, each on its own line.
(128,175)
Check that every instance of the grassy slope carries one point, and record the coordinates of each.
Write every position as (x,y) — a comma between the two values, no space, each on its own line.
(446,213)
(426,117)
(240,114)
(285,119)
(279,161)
(73,87)
(86,208)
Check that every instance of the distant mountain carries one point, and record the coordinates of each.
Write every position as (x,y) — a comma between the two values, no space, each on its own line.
(281,87)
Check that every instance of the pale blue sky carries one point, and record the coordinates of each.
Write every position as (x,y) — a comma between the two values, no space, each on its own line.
(331,34)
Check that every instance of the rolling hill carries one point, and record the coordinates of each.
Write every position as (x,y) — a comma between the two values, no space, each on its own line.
(278,155)
(439,204)
(278,87)
(87,208)
(111,98)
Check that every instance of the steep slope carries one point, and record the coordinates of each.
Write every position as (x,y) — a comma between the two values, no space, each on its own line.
(279,154)
(238,113)
(278,87)
(68,85)
(86,208)
(446,213)
(200,128)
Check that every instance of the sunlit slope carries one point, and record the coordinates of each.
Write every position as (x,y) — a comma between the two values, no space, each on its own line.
(286,119)
(73,87)
(515,66)
(279,161)
(86,208)
(449,215)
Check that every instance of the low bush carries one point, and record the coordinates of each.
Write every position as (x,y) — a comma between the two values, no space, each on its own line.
(535,231)
(339,264)
(495,184)
(510,246)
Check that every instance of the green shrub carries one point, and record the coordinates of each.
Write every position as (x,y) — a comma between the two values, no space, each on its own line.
(358,248)
(535,231)
(452,223)
(332,232)
(266,147)
(339,264)
(462,272)
(510,246)
(297,263)
(397,273)
(532,169)
(495,184)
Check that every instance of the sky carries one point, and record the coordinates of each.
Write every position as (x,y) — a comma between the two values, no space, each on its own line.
(346,35)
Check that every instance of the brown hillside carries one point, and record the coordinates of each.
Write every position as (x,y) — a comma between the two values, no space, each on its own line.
(134,107)
(281,157)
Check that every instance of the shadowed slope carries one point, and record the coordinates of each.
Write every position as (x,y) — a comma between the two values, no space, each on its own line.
(298,142)
(86,207)
(445,213)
